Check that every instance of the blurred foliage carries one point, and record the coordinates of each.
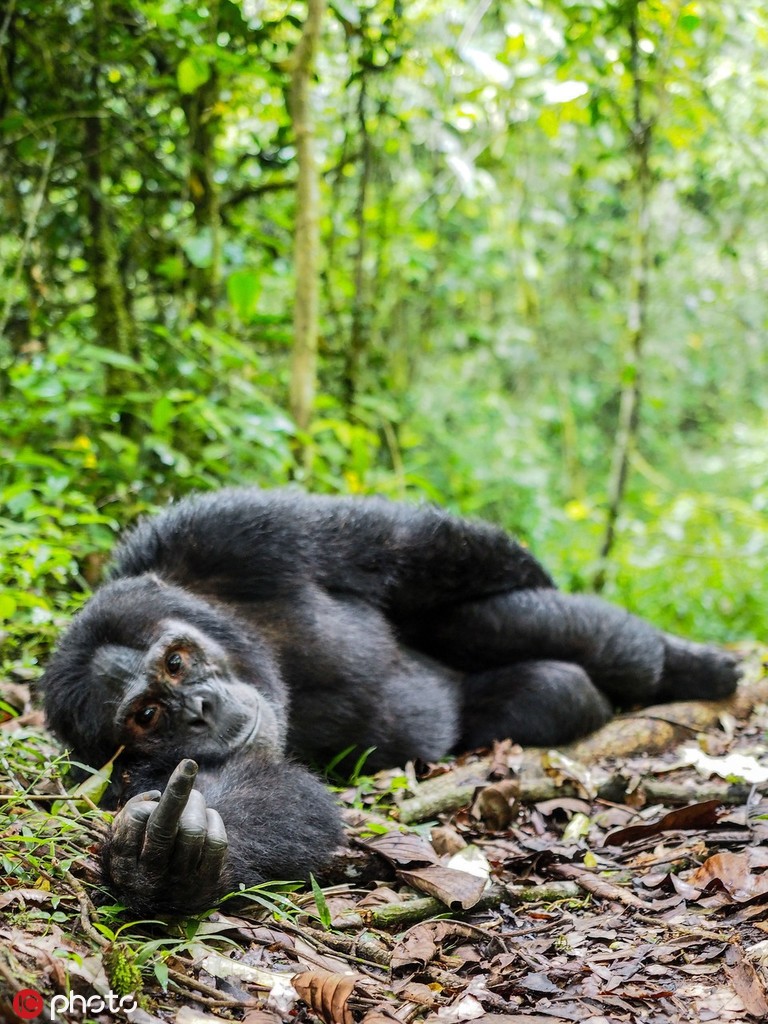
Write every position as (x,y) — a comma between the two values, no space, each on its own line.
(477,219)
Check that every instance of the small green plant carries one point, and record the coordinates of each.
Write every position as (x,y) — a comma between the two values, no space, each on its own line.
(273,897)
(123,971)
(323,910)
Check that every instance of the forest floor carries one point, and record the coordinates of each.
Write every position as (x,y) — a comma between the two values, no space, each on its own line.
(621,880)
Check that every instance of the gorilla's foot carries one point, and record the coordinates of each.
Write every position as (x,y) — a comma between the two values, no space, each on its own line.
(697,671)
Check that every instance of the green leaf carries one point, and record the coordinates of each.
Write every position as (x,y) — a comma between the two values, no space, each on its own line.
(172,268)
(323,910)
(191,74)
(243,288)
(88,792)
(162,973)
(162,413)
(7,607)
(106,355)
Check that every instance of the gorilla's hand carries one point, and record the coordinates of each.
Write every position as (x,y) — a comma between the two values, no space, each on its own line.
(166,847)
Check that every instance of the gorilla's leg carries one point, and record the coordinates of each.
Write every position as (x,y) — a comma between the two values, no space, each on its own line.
(536,703)
(697,671)
(625,657)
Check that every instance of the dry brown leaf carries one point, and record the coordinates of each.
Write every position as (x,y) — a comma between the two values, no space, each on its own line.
(692,817)
(494,804)
(746,983)
(416,949)
(193,1015)
(380,1015)
(446,840)
(733,873)
(506,757)
(517,1018)
(17,697)
(568,804)
(402,849)
(25,896)
(420,944)
(327,994)
(456,889)
(380,896)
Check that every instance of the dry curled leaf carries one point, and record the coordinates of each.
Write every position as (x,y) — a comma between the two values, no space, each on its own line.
(456,889)
(403,849)
(419,945)
(446,840)
(691,818)
(327,994)
(747,983)
(733,874)
(495,805)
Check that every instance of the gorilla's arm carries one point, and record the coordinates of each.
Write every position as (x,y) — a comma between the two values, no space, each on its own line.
(244,823)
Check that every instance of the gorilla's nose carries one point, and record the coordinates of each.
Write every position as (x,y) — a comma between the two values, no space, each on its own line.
(201,711)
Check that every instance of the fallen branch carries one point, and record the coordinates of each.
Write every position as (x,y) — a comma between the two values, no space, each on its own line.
(363,947)
(596,886)
(397,915)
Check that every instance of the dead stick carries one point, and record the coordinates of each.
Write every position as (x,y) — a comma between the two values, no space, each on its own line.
(599,887)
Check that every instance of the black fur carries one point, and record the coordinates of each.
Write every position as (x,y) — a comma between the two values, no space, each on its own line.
(320,624)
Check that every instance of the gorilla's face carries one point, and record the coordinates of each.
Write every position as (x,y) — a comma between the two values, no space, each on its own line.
(149,668)
(182,691)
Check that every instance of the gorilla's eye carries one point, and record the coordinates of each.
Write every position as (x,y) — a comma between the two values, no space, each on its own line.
(174,663)
(145,716)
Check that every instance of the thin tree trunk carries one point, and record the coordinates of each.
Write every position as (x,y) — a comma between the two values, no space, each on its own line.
(637,318)
(307,234)
(204,193)
(114,324)
(358,335)
(203,124)
(22,267)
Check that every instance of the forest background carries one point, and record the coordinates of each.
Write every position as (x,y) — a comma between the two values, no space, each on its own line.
(509,257)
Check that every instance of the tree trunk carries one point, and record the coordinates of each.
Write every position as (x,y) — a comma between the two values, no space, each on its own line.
(307,234)
(637,318)
(358,335)
(203,124)
(114,325)
(23,268)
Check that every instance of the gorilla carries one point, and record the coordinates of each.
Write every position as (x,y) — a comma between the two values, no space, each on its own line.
(244,634)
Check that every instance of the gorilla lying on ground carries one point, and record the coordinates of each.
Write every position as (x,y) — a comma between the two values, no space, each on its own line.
(247,628)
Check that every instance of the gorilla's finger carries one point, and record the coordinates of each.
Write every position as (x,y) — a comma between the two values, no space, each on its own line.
(140,798)
(130,822)
(163,824)
(128,831)
(180,785)
(191,834)
(215,849)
